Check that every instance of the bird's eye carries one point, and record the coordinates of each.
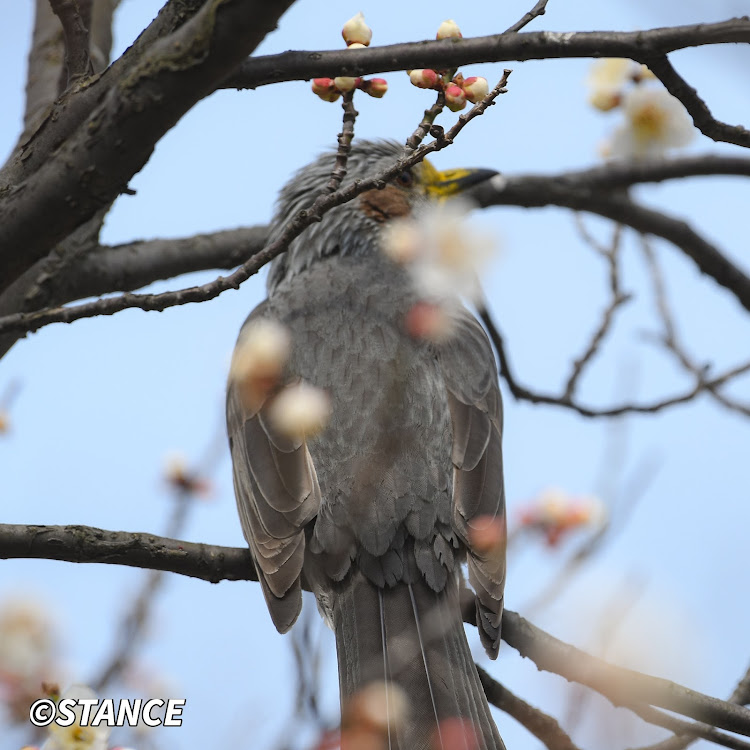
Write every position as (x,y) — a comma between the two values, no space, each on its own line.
(406,178)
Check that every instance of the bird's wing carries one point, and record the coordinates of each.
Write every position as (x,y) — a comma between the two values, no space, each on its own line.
(470,376)
(277,494)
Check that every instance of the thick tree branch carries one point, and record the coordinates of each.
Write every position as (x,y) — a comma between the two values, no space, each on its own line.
(453,53)
(86,172)
(84,544)
(648,47)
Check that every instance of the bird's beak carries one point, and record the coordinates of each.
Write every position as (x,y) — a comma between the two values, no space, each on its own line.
(453,181)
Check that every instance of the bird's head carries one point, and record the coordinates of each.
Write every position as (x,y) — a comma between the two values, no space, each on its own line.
(354,227)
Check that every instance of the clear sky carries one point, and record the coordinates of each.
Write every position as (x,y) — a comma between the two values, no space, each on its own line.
(102,401)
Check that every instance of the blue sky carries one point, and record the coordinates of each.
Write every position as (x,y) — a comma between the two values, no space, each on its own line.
(104,400)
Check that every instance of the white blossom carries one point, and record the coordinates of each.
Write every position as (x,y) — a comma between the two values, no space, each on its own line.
(654,122)
(441,249)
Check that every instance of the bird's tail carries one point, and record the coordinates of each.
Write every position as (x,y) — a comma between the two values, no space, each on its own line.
(410,642)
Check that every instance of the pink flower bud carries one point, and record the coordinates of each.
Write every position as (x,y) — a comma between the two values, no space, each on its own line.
(375,87)
(448,30)
(454,97)
(325,89)
(424,78)
(475,88)
(345,83)
(356,30)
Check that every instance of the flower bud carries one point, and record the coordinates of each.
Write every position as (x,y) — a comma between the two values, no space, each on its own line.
(300,410)
(375,87)
(325,89)
(356,30)
(448,30)
(345,83)
(475,88)
(605,99)
(454,98)
(424,78)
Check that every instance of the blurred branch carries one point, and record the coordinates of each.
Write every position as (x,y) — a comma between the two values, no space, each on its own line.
(617,299)
(542,726)
(19,322)
(212,563)
(524,394)
(693,729)
(740,696)
(670,339)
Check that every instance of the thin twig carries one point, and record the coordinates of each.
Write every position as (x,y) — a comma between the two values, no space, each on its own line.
(617,299)
(538,10)
(670,338)
(416,138)
(295,226)
(345,143)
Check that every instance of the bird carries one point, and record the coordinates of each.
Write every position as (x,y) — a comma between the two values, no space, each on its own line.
(377,512)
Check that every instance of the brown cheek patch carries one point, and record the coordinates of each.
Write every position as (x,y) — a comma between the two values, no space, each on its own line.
(388,203)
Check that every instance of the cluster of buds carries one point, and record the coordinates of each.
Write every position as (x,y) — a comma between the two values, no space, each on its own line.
(654,121)
(555,513)
(357,35)
(457,89)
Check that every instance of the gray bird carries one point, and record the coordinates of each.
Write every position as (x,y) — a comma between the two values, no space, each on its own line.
(376,512)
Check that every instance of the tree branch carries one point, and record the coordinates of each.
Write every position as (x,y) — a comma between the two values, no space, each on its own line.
(76,35)
(542,726)
(538,10)
(20,322)
(696,107)
(86,172)
(85,544)
(641,46)
(535,192)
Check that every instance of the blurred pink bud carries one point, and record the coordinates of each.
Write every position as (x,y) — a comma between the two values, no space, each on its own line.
(475,88)
(455,98)
(356,30)
(426,320)
(424,78)
(487,535)
(345,83)
(448,30)
(325,89)
(455,732)
(375,87)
